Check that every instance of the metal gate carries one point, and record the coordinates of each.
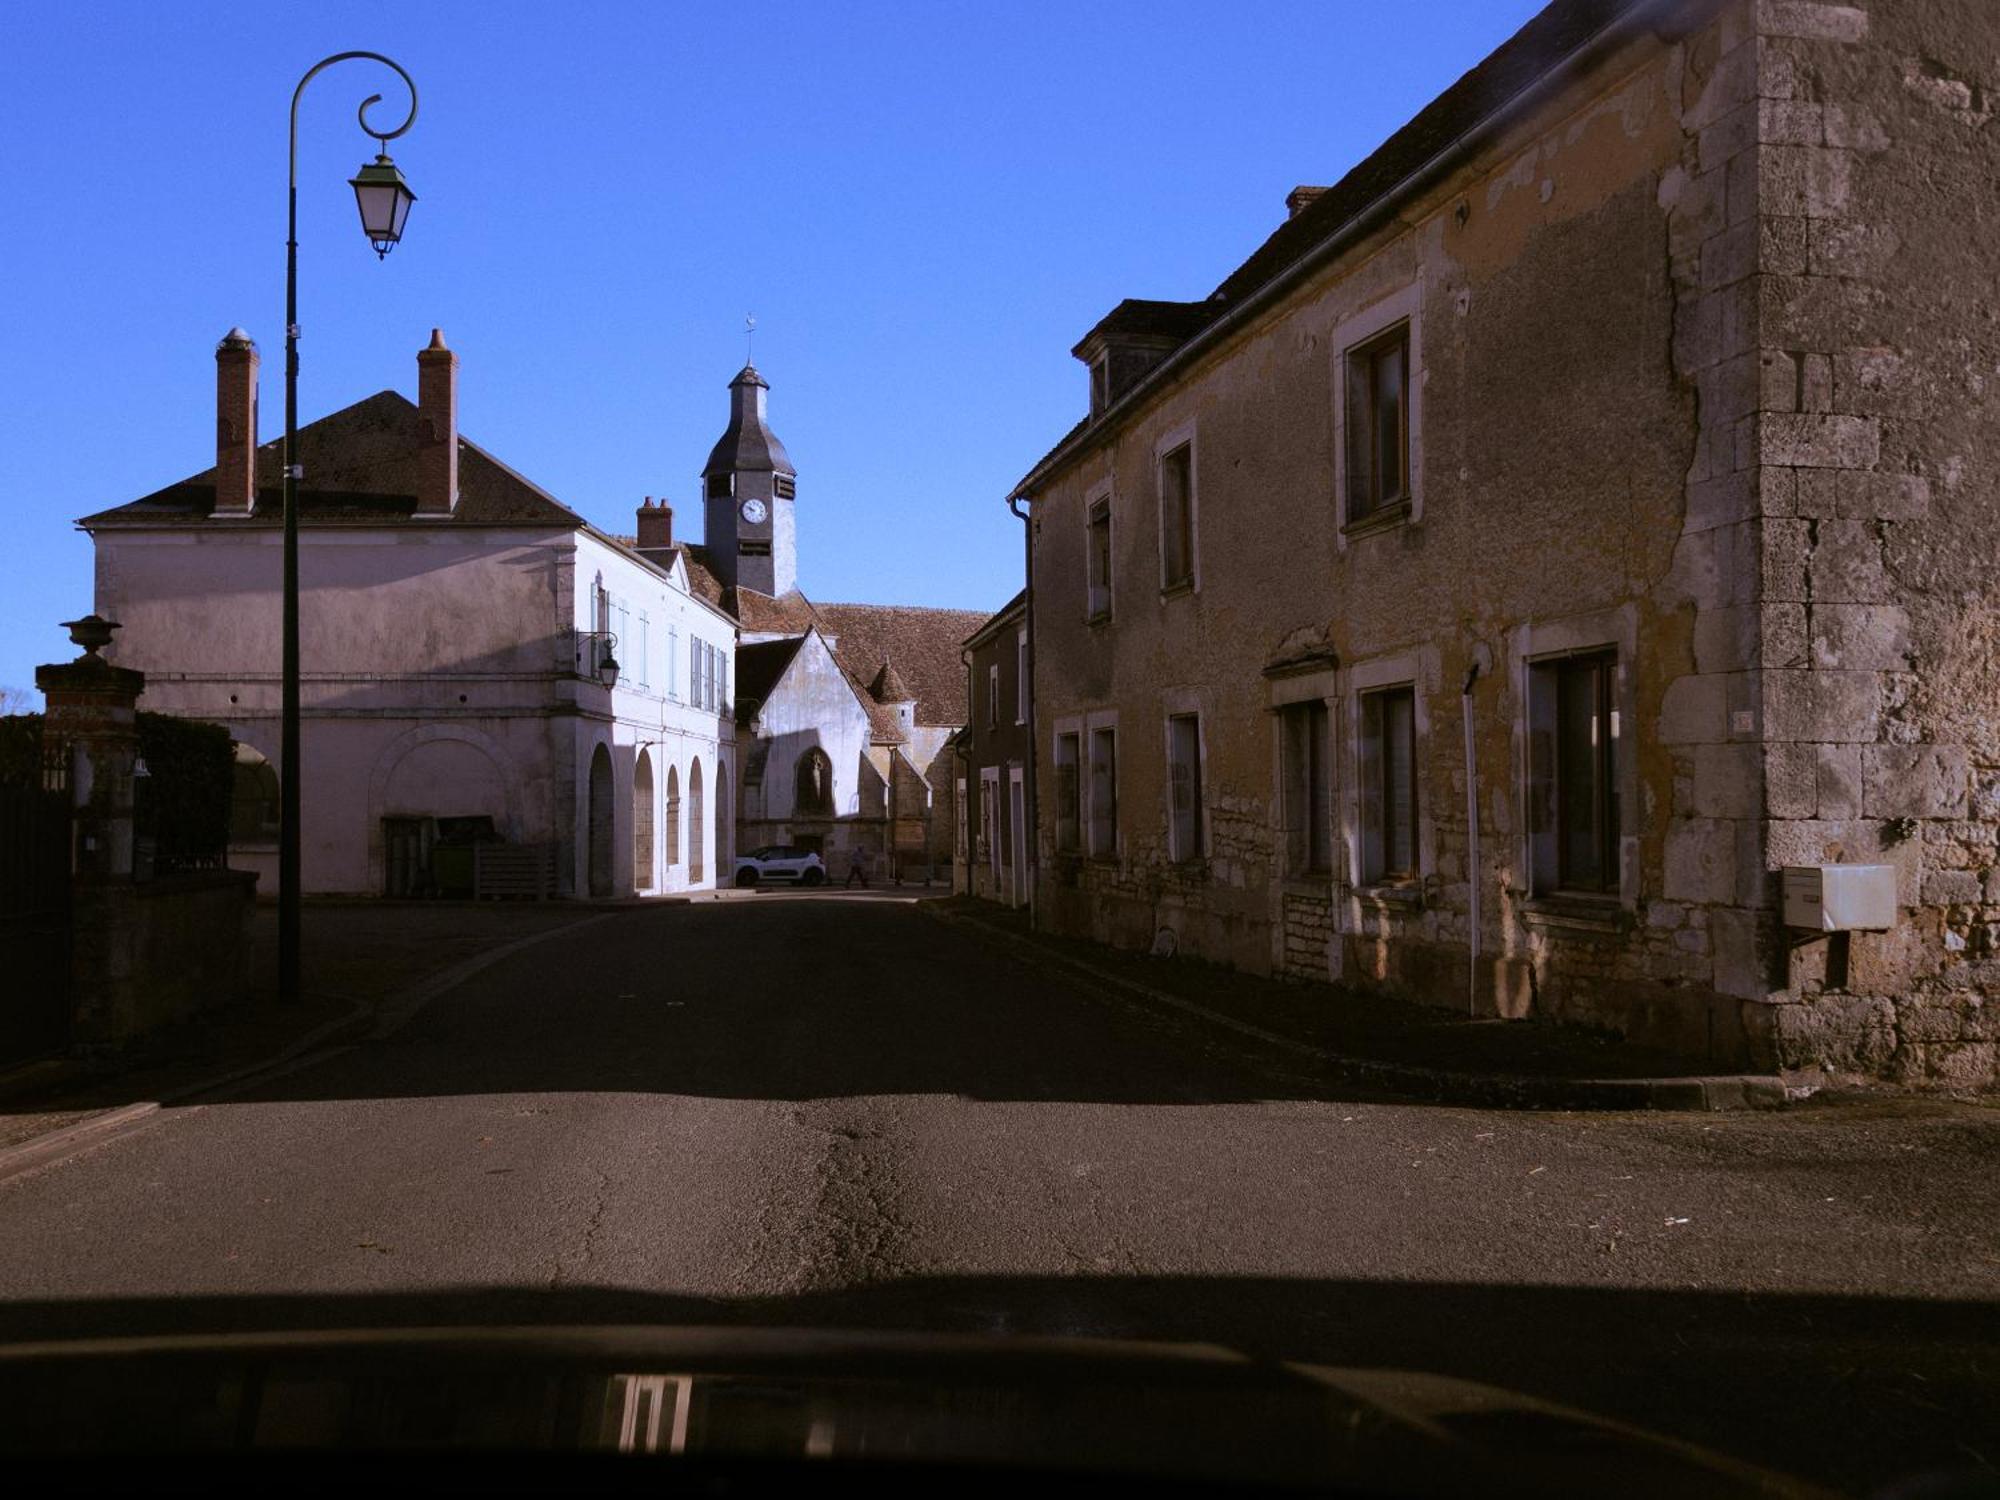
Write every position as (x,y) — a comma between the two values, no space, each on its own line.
(35,911)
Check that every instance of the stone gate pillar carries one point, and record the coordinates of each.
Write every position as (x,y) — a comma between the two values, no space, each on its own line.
(92,720)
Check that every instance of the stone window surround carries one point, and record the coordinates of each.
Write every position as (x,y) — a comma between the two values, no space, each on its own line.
(1101,491)
(1615,630)
(1350,333)
(1417,669)
(1176,704)
(1322,687)
(1067,725)
(1175,437)
(1084,726)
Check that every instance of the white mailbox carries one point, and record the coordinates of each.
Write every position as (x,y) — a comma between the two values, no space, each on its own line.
(1840,898)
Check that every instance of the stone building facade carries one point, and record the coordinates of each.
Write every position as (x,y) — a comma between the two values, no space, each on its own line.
(991,783)
(1581,512)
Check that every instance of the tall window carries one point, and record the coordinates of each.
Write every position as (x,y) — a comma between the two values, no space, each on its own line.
(1389,785)
(1104,793)
(992,695)
(673,661)
(1177,517)
(721,679)
(1184,786)
(962,810)
(645,636)
(1068,793)
(1573,774)
(694,671)
(1021,677)
(1307,788)
(1099,559)
(1378,428)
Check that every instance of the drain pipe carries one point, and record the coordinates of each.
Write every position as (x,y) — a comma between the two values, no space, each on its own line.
(1471,844)
(1033,830)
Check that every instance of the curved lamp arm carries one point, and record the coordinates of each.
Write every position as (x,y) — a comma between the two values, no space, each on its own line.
(384,136)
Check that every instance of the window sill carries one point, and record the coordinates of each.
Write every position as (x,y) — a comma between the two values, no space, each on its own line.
(1102,617)
(1318,884)
(1400,895)
(1387,518)
(1176,589)
(1578,913)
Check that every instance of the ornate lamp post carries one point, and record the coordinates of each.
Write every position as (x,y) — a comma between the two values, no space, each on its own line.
(384,200)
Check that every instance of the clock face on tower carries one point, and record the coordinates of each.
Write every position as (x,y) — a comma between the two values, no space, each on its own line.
(754,511)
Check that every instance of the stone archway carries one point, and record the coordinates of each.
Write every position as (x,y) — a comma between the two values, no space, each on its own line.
(599,820)
(725,823)
(642,822)
(697,871)
(673,839)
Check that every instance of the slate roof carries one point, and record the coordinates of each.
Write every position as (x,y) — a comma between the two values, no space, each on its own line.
(1149,319)
(1554,32)
(748,442)
(923,643)
(360,469)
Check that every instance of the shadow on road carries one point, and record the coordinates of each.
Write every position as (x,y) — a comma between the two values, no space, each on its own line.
(1853,1391)
(798,996)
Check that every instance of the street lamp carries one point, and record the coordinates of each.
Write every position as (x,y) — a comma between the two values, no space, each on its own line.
(384,200)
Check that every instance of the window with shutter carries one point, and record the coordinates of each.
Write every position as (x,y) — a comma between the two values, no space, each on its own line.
(1573,810)
(1184,782)
(1067,793)
(1388,778)
(1377,435)
(1307,791)
(1104,793)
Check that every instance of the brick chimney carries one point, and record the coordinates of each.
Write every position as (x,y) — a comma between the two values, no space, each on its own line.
(656,526)
(1299,199)
(437,417)
(235,425)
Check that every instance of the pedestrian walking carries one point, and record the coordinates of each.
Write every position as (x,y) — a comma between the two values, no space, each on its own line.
(857,869)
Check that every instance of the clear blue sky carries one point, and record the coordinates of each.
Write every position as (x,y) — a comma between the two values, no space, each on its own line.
(925,205)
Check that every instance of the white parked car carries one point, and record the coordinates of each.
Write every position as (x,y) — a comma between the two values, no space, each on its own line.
(780,862)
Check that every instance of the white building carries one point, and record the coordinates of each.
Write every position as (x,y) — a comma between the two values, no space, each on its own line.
(456,625)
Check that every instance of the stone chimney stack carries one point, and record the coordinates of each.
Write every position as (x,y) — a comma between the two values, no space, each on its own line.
(437,416)
(656,526)
(235,424)
(1299,199)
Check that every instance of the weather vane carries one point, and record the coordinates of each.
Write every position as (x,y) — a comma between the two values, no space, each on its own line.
(749,335)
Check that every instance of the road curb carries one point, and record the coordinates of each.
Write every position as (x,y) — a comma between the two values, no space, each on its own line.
(1705,1092)
(362,1023)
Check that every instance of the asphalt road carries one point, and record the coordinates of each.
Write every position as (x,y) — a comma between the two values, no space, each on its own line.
(805,1109)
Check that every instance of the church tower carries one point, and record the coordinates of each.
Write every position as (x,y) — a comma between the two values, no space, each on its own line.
(748,489)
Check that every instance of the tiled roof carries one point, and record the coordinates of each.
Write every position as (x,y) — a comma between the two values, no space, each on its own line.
(360,468)
(923,643)
(888,685)
(788,614)
(701,579)
(1556,31)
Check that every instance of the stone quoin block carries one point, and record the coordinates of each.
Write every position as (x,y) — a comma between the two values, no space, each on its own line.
(1791,780)
(1846,564)
(1860,637)
(1885,497)
(1700,861)
(1838,785)
(1826,706)
(1820,440)
(1728,781)
(1914,781)
(1811,20)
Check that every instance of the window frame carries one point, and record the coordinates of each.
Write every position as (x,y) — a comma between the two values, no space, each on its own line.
(993,695)
(1186,845)
(1068,801)
(1097,505)
(1307,830)
(1543,820)
(1021,675)
(1374,793)
(1180,440)
(1095,848)
(1371,326)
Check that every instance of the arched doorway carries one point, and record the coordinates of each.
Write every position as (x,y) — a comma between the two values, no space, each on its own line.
(725,823)
(642,822)
(696,872)
(672,856)
(600,822)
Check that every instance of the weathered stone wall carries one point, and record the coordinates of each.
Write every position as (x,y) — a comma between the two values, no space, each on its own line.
(1876,437)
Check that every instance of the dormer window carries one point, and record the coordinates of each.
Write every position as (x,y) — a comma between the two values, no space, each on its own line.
(1100,384)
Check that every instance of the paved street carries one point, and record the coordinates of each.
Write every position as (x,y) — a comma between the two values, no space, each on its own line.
(833,1109)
